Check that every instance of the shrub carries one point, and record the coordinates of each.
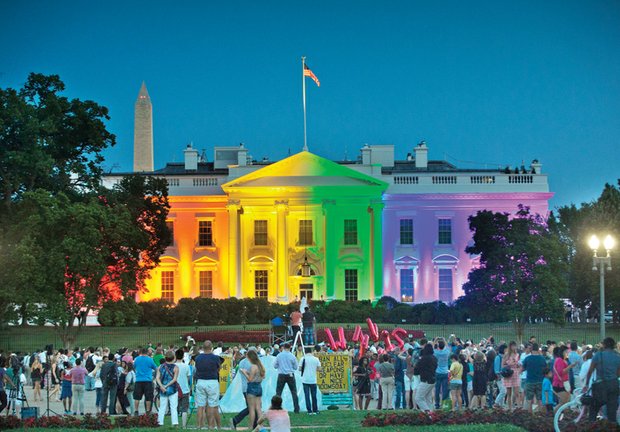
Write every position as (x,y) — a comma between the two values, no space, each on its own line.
(120,313)
(89,421)
(234,311)
(157,313)
(530,422)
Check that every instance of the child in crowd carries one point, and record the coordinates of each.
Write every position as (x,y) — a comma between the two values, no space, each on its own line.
(66,394)
(547,390)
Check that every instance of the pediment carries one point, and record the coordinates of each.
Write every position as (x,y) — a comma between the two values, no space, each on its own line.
(205,261)
(304,170)
(406,260)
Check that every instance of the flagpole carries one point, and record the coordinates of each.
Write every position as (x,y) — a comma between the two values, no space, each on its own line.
(303,86)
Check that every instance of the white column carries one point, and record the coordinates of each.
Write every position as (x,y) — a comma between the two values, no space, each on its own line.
(281,252)
(233,207)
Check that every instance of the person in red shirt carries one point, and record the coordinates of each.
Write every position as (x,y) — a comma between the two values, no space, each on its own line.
(296,322)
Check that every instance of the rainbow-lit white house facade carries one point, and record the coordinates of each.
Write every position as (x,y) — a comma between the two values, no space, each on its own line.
(374,226)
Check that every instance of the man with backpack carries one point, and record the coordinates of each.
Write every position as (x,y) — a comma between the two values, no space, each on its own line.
(89,363)
(109,380)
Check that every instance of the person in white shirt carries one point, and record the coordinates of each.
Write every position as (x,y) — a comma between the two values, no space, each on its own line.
(526,353)
(585,367)
(219,349)
(309,366)
(184,381)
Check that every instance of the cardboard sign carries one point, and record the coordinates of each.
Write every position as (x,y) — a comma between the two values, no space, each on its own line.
(335,374)
(225,369)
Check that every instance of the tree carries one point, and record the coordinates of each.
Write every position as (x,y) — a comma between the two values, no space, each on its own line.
(522,267)
(576,225)
(48,141)
(68,245)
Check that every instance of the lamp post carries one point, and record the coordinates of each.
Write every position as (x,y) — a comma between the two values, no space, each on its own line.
(601,263)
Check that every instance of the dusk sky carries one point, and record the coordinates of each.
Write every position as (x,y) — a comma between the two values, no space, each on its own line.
(492,83)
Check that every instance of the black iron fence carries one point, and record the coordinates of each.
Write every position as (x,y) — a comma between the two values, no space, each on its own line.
(26,339)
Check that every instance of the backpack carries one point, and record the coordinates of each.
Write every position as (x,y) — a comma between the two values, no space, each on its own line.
(111,378)
(167,375)
(90,364)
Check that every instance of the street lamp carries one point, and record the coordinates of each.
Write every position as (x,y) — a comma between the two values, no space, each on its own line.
(601,263)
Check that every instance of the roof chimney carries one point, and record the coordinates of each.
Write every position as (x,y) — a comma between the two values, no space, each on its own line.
(536,167)
(242,155)
(421,155)
(191,158)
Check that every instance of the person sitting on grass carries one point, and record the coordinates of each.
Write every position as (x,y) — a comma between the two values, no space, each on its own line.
(278,418)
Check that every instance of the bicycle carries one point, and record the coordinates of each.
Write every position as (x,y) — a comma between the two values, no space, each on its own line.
(574,404)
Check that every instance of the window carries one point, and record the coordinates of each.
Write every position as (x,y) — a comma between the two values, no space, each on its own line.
(167,286)
(206,283)
(445,231)
(260,233)
(350,231)
(306,290)
(261,284)
(445,285)
(350,284)
(406,231)
(305,232)
(170,226)
(205,233)
(406,285)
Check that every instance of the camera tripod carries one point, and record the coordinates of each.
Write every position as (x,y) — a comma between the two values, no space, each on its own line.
(48,383)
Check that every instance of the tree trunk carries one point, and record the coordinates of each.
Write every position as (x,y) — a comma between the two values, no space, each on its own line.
(68,332)
(23,312)
(519,324)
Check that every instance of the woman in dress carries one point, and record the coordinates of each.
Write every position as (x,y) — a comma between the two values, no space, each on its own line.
(511,383)
(255,376)
(361,374)
(36,375)
(480,381)
(52,376)
(66,394)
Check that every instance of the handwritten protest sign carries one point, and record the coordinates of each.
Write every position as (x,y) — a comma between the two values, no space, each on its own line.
(335,374)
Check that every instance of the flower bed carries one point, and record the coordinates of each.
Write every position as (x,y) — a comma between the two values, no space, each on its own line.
(89,421)
(530,422)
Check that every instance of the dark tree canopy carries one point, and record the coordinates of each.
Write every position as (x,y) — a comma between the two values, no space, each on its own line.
(67,244)
(577,225)
(48,141)
(522,266)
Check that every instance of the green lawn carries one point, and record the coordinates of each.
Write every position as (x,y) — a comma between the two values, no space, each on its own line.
(29,338)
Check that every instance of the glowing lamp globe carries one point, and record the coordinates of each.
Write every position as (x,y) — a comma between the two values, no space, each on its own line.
(609,242)
(594,242)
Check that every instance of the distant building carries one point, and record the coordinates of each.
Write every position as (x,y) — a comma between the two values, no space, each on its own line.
(308,226)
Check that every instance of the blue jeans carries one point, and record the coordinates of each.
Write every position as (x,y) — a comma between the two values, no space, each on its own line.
(401,399)
(310,396)
(89,383)
(441,387)
(309,335)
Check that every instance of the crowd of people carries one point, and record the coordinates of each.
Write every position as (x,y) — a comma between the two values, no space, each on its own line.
(455,374)
(422,374)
